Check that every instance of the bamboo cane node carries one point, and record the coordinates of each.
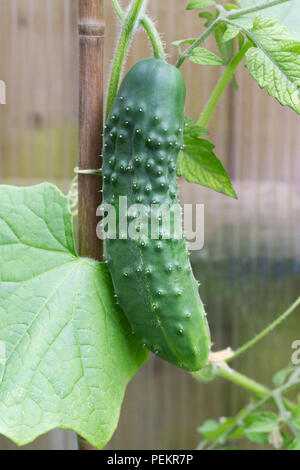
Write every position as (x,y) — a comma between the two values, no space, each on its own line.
(96,29)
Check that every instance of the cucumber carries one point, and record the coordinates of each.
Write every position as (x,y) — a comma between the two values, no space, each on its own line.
(152,278)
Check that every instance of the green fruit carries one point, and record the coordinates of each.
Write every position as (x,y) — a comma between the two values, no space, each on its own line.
(152,278)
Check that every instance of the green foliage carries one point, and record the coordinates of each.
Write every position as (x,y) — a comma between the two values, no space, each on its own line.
(200,4)
(280,377)
(230,32)
(199,164)
(208,16)
(202,56)
(225,44)
(69,349)
(278,428)
(275,62)
(287,14)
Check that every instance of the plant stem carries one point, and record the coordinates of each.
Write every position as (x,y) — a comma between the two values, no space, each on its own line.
(240,417)
(153,34)
(223,82)
(243,381)
(223,16)
(149,27)
(263,6)
(267,330)
(118,10)
(197,43)
(129,24)
(285,415)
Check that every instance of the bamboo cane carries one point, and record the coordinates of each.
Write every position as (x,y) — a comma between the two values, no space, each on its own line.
(91,49)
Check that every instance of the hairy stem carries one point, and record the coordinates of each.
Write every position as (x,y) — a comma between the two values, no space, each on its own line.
(253,407)
(223,16)
(284,413)
(154,37)
(222,84)
(240,417)
(197,43)
(118,10)
(150,29)
(262,6)
(130,22)
(266,331)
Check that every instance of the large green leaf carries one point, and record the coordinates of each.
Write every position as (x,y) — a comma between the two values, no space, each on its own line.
(275,62)
(287,14)
(69,351)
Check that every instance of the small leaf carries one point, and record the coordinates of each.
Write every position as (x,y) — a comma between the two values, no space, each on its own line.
(263,422)
(208,16)
(281,376)
(208,426)
(295,445)
(225,48)
(231,6)
(180,42)
(241,40)
(200,4)
(213,430)
(230,33)
(258,437)
(238,433)
(287,440)
(197,131)
(296,423)
(200,165)
(202,56)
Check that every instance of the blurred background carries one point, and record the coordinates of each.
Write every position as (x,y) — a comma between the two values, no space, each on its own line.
(249,268)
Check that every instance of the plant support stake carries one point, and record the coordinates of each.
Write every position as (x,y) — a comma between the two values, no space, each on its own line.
(91,38)
(91,48)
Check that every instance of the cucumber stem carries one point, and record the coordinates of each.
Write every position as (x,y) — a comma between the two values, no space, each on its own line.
(130,23)
(150,29)
(153,34)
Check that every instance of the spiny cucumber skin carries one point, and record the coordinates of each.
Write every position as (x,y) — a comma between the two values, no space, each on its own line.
(152,278)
